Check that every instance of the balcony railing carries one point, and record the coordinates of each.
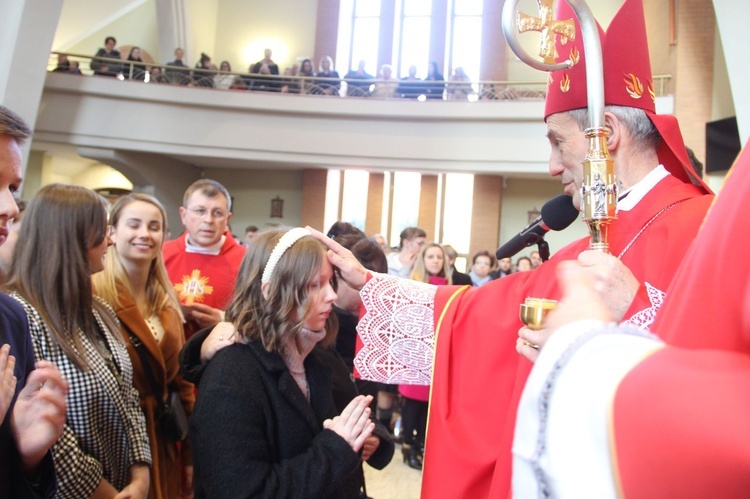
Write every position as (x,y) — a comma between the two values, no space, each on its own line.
(422,90)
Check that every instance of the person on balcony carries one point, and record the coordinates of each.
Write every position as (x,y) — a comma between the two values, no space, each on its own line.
(225,80)
(179,76)
(273,68)
(325,70)
(306,70)
(107,68)
(135,69)
(408,88)
(204,72)
(63,64)
(357,89)
(386,88)
(459,87)
(434,90)
(263,79)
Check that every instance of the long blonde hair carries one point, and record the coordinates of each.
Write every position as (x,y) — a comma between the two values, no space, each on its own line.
(275,319)
(419,272)
(159,291)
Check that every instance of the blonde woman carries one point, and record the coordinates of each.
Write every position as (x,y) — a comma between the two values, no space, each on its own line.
(327,86)
(135,283)
(431,266)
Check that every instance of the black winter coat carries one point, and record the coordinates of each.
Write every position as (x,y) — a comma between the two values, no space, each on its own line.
(254,434)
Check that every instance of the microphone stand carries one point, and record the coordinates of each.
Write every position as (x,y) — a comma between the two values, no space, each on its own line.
(543,248)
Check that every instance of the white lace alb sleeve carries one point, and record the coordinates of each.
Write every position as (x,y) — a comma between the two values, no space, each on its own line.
(646,317)
(397,331)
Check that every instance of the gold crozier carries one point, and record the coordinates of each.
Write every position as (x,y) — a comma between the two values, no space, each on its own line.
(548,27)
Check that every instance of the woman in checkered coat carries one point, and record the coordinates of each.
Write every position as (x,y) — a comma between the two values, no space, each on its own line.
(104,447)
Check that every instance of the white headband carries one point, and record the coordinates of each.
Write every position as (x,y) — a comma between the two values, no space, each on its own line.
(286,242)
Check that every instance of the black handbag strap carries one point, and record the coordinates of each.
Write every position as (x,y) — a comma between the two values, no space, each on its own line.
(138,345)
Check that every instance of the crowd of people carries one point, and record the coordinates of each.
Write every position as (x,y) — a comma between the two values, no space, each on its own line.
(301,77)
(114,383)
(104,410)
(594,404)
(482,268)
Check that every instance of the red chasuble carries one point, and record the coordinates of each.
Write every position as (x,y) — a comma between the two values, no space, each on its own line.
(680,425)
(688,409)
(198,278)
(478,377)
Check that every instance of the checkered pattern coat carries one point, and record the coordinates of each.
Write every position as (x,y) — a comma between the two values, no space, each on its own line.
(105,431)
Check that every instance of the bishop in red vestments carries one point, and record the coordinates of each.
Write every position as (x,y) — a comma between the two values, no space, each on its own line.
(463,339)
(672,422)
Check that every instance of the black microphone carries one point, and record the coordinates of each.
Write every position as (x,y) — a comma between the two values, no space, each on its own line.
(557,214)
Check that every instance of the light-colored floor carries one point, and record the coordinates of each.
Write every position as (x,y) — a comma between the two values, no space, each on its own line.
(395,481)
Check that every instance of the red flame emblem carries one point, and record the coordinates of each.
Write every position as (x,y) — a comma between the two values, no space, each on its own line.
(633,86)
(651,91)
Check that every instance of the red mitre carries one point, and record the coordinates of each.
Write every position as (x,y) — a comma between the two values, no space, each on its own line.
(627,80)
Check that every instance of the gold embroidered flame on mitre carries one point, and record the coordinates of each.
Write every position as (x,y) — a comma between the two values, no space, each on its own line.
(633,86)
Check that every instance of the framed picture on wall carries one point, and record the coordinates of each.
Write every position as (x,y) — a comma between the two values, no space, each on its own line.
(277,207)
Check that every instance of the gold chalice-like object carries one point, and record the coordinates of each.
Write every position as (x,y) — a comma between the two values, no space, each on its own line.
(533,313)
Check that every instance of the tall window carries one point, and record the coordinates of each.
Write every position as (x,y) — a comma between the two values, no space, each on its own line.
(466,37)
(346,199)
(333,198)
(354,199)
(405,212)
(459,192)
(365,34)
(412,44)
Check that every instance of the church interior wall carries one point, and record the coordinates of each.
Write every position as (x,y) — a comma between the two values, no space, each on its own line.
(233,23)
(252,192)
(203,27)
(136,27)
(245,29)
(522,195)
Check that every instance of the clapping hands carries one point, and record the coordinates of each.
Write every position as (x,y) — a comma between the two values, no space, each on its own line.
(39,414)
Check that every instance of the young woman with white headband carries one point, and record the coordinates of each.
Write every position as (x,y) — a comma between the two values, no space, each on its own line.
(264,423)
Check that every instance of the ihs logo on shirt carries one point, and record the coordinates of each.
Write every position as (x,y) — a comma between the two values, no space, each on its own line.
(193,287)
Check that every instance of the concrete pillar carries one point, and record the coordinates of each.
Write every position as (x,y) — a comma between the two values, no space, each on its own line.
(695,67)
(485,213)
(27,28)
(437,35)
(494,46)
(173,19)
(374,214)
(385,47)
(314,198)
(326,30)
(427,205)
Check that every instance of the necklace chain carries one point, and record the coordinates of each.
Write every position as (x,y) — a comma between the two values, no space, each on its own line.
(663,210)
